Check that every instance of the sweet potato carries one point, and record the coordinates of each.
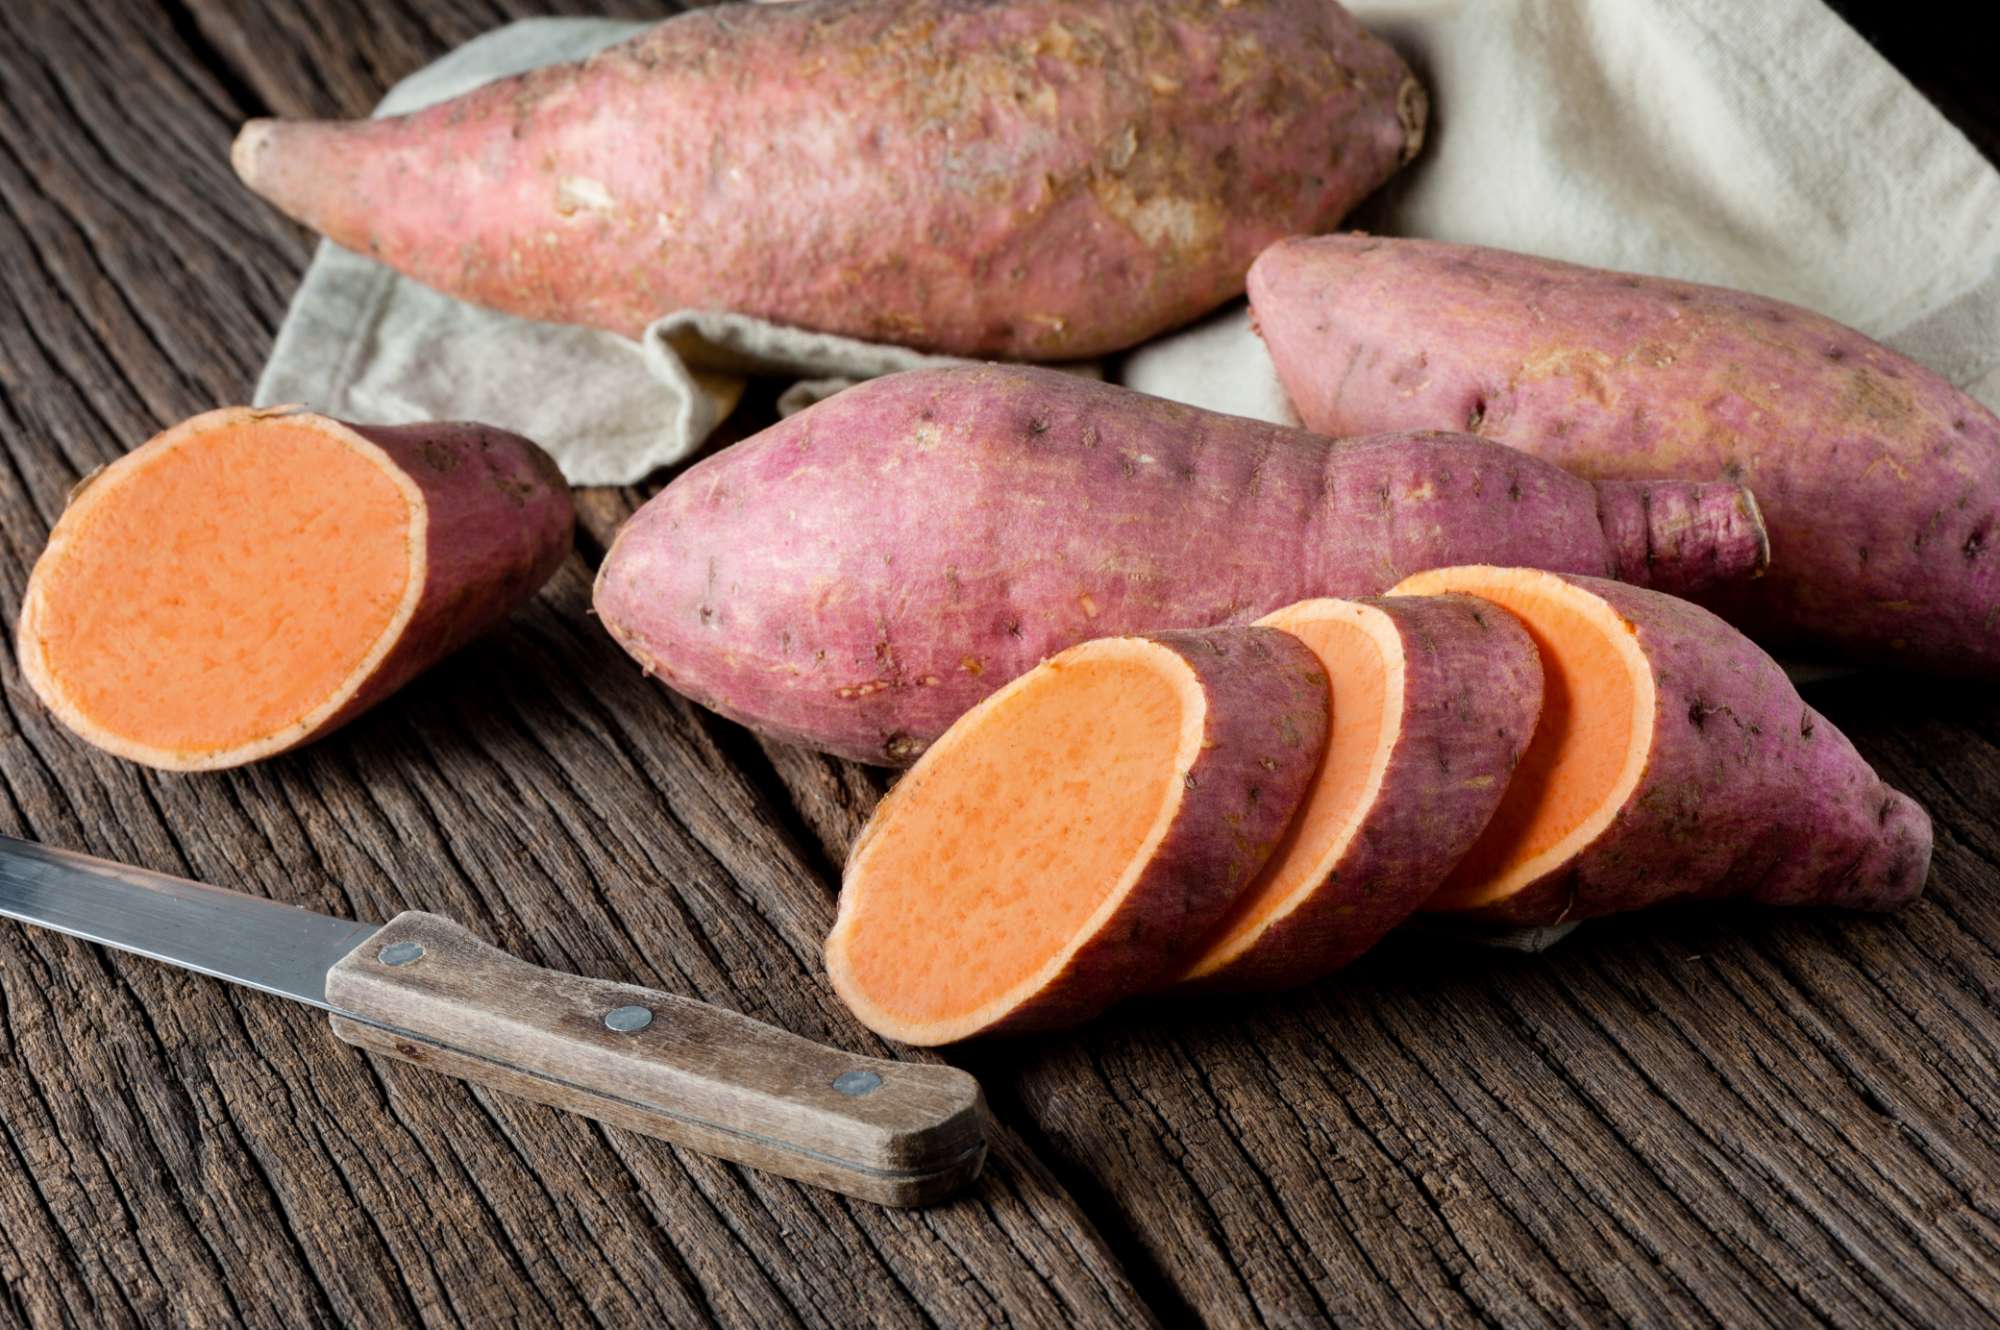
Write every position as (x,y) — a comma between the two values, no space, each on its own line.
(1070,838)
(249,580)
(1043,179)
(1434,700)
(858,576)
(1880,481)
(1673,759)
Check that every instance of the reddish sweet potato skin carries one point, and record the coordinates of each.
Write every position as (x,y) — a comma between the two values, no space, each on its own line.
(501,523)
(1748,792)
(1263,734)
(860,575)
(1472,695)
(1880,481)
(1043,179)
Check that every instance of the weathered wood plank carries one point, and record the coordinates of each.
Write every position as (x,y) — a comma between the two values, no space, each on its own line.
(1698,1117)
(177,1151)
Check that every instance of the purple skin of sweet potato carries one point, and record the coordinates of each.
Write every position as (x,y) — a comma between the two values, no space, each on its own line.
(1041,180)
(1880,481)
(1747,791)
(1472,692)
(858,576)
(1263,731)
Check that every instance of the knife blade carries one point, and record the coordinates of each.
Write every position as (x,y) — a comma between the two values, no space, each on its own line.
(424,990)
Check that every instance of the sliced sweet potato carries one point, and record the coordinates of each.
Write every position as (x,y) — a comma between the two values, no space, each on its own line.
(250,580)
(1673,759)
(1433,702)
(1069,839)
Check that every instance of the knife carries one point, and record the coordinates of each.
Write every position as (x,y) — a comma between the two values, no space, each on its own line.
(422,989)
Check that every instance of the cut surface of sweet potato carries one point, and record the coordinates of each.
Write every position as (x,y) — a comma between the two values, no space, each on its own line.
(249,578)
(142,611)
(1590,746)
(1075,833)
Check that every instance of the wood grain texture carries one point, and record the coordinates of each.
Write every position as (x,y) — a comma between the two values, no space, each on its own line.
(1700,1117)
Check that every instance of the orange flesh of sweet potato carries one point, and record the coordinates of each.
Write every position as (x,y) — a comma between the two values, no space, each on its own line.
(250,580)
(260,522)
(1105,747)
(1588,750)
(1069,839)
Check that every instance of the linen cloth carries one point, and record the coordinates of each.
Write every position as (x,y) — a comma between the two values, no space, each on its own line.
(1763,146)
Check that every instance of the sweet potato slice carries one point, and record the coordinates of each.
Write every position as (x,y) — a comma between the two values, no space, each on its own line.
(1673,759)
(1068,840)
(250,580)
(1433,701)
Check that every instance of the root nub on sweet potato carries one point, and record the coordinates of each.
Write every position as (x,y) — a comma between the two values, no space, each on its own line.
(1433,701)
(250,580)
(1673,759)
(1071,838)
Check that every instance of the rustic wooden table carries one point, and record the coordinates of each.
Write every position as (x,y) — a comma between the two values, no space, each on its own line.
(1704,1116)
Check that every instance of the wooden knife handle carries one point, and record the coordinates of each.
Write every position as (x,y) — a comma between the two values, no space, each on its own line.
(427,991)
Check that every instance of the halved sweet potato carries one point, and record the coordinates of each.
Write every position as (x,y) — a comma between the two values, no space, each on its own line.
(1069,839)
(1433,702)
(250,580)
(1673,759)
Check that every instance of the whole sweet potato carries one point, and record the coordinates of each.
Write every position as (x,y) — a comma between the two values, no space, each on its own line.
(1042,179)
(858,576)
(1880,481)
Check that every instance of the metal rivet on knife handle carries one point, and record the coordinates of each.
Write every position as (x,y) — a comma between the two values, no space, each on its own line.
(400,953)
(625,1020)
(854,1084)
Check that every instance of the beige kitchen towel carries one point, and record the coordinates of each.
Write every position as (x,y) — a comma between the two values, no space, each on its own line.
(1757,145)
(361,343)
